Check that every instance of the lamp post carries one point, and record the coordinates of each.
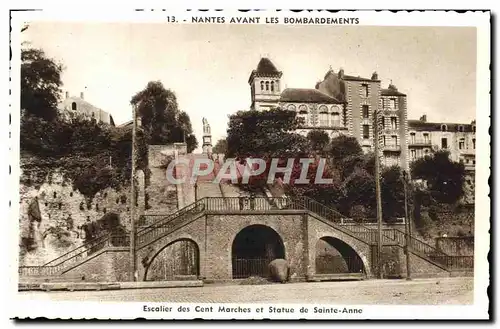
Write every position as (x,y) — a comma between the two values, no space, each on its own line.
(378,193)
(407,226)
(133,265)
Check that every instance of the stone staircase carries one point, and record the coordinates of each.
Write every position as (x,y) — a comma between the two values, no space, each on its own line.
(162,226)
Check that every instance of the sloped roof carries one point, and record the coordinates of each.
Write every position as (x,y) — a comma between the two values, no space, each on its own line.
(265,66)
(353,78)
(298,95)
(391,91)
(420,125)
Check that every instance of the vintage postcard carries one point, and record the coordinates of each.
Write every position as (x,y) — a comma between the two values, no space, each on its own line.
(269,164)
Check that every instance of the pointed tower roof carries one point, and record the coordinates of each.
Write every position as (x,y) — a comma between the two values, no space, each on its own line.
(265,68)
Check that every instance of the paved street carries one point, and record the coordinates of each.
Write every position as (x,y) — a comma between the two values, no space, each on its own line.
(419,291)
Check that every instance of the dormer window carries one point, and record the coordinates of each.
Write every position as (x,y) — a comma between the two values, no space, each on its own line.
(267,85)
(444,128)
(262,85)
(73,106)
(461,129)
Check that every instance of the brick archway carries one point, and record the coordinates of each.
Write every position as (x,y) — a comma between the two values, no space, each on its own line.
(253,248)
(334,256)
(154,258)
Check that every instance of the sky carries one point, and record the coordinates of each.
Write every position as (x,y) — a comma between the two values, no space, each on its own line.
(207,66)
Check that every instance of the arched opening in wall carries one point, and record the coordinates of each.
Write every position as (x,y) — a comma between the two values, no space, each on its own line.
(333,256)
(179,259)
(253,249)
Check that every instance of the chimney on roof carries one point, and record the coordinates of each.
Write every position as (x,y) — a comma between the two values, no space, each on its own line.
(341,73)
(375,76)
(423,118)
(67,94)
(81,95)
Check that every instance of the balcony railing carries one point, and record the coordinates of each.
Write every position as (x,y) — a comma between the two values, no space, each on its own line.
(392,147)
(419,142)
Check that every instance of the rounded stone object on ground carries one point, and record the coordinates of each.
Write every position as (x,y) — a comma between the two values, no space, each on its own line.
(278,270)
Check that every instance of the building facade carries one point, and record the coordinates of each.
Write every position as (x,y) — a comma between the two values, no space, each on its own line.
(339,104)
(72,106)
(459,139)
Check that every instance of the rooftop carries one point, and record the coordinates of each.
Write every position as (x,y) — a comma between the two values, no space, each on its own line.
(298,95)
(420,125)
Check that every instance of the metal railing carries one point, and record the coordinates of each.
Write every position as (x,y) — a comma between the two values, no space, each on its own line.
(166,224)
(247,267)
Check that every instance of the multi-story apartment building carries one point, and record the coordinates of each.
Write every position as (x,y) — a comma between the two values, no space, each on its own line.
(459,139)
(339,104)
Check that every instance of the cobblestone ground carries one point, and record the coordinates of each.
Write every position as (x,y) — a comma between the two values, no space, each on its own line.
(419,291)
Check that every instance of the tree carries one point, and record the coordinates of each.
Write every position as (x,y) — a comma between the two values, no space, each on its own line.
(40,83)
(161,118)
(319,140)
(445,178)
(392,193)
(342,147)
(220,147)
(360,191)
(265,134)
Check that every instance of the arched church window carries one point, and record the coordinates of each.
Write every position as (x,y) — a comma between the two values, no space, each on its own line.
(262,85)
(272,85)
(73,106)
(303,109)
(335,119)
(267,85)
(291,107)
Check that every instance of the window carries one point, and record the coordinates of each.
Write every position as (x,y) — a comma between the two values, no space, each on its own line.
(55,194)
(303,109)
(323,119)
(277,85)
(291,107)
(384,140)
(412,138)
(262,85)
(461,129)
(426,151)
(426,138)
(394,140)
(335,119)
(73,106)
(461,144)
(473,128)
(272,85)
(473,162)
(444,143)
(267,85)
(364,90)
(366,131)
(392,103)
(93,114)
(444,128)
(366,113)
(413,154)
(474,143)
(394,123)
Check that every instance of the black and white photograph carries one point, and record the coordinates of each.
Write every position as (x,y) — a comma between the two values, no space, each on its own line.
(250,164)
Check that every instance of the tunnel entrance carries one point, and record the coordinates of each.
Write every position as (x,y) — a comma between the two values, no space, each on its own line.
(253,249)
(178,260)
(334,256)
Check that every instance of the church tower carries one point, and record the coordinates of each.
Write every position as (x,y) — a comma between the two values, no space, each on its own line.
(207,138)
(265,85)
